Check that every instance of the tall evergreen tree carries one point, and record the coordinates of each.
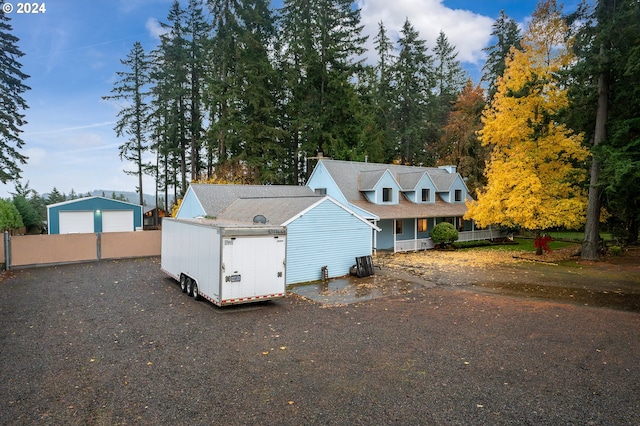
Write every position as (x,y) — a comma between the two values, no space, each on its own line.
(507,35)
(383,92)
(134,118)
(320,39)
(198,33)
(449,74)
(171,94)
(261,137)
(224,84)
(414,82)
(606,93)
(11,102)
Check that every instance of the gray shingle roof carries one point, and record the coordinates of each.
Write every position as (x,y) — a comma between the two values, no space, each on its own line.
(407,209)
(216,198)
(347,175)
(277,210)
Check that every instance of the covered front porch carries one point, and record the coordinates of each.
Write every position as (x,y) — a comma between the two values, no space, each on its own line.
(413,234)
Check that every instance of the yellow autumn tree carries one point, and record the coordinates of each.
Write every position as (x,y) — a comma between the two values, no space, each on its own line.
(534,171)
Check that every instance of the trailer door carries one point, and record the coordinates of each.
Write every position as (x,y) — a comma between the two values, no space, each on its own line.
(254,267)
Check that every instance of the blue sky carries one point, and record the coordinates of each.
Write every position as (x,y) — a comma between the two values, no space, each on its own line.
(73,51)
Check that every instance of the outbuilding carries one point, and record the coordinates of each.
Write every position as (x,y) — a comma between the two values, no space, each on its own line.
(323,235)
(93,214)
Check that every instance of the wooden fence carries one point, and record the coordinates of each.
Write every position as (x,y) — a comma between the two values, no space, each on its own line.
(37,250)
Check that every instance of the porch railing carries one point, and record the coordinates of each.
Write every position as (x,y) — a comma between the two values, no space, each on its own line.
(427,243)
(485,234)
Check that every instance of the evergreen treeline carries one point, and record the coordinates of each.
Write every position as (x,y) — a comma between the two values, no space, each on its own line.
(236,91)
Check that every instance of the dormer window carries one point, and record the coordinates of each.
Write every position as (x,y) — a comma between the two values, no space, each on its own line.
(387,195)
(458,195)
(425,195)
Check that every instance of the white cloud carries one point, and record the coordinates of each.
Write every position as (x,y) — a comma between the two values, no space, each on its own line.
(36,156)
(154,28)
(467,31)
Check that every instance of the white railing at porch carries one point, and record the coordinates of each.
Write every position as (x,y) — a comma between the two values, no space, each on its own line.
(413,245)
(485,234)
(427,243)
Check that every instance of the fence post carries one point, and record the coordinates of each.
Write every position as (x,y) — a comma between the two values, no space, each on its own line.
(99,245)
(7,251)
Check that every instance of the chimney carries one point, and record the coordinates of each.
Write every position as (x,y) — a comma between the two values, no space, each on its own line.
(450,169)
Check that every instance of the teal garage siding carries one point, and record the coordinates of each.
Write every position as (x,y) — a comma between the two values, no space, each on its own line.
(97,205)
(326,235)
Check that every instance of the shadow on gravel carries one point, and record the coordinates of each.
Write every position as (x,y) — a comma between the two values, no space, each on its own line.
(583,296)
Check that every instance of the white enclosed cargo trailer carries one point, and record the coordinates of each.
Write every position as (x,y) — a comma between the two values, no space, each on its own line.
(225,263)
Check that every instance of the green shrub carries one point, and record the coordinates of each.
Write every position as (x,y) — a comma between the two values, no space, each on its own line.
(444,233)
(615,250)
(470,244)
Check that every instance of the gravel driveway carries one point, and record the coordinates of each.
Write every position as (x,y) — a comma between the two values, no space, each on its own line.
(116,342)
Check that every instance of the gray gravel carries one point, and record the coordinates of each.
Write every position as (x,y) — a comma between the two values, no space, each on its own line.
(116,342)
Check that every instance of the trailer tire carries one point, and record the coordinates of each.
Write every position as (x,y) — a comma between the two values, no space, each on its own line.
(195,291)
(189,287)
(183,283)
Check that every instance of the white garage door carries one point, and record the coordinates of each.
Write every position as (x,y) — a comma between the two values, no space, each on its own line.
(117,220)
(76,222)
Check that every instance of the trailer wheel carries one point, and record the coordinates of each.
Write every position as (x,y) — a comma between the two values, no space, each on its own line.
(183,283)
(189,287)
(194,291)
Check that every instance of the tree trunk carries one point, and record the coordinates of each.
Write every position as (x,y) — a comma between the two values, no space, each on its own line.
(590,246)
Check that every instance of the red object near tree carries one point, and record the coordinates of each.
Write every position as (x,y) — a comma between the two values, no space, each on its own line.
(543,243)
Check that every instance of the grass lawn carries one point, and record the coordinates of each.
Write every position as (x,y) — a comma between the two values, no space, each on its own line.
(576,235)
(525,244)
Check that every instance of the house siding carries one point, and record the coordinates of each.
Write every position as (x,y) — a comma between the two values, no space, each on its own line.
(387,181)
(97,205)
(321,178)
(190,206)
(309,248)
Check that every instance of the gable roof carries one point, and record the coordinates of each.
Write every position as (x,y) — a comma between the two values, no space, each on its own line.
(278,210)
(215,198)
(349,176)
(368,179)
(81,199)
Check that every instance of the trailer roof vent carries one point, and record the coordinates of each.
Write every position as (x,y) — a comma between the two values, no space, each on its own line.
(259,219)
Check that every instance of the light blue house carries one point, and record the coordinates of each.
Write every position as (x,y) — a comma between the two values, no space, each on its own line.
(93,214)
(321,232)
(405,202)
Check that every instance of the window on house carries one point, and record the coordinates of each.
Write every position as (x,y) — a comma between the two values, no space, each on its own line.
(386,195)
(320,191)
(458,195)
(425,195)
(398,227)
(422,225)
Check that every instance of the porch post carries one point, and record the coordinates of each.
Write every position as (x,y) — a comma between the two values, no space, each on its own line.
(393,229)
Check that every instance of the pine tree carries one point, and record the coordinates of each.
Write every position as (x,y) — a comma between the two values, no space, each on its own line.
(449,74)
(261,137)
(383,93)
(532,178)
(320,39)
(413,76)
(56,196)
(198,32)
(607,94)
(134,118)
(11,102)
(171,97)
(507,35)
